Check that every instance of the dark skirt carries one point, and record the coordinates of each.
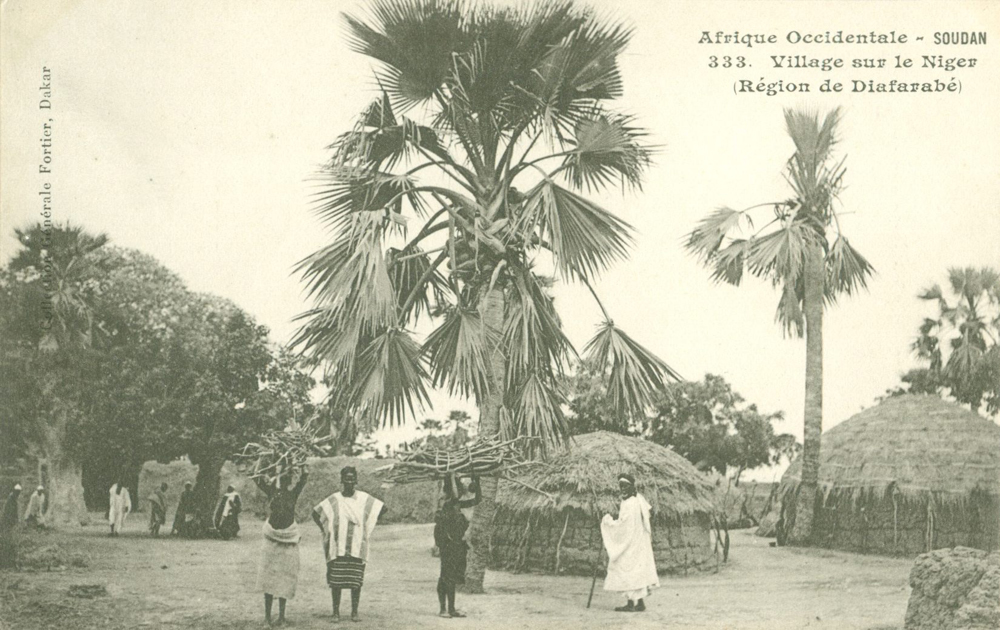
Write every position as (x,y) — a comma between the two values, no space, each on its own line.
(453,563)
(345,572)
(229,527)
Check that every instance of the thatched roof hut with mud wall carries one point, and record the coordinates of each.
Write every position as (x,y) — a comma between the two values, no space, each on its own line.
(561,535)
(909,475)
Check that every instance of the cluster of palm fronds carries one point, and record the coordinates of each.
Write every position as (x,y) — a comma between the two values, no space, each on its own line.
(509,111)
(483,457)
(280,453)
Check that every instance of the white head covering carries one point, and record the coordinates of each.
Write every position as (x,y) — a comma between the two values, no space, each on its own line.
(17,486)
(40,488)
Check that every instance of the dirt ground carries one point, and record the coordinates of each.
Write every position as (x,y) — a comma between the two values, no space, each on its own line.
(170,583)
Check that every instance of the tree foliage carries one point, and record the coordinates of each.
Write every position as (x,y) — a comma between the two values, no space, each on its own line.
(466,176)
(961,346)
(133,366)
(705,421)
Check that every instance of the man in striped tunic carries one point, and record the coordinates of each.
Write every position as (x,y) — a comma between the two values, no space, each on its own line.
(347,519)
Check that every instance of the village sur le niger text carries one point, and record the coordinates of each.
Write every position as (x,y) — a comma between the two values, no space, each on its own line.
(873,62)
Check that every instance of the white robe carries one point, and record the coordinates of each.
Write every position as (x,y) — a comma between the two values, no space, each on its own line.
(628,539)
(121,505)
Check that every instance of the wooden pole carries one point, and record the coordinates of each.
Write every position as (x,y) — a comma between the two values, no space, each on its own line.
(597,564)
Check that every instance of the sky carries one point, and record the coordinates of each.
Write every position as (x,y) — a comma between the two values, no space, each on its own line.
(189,130)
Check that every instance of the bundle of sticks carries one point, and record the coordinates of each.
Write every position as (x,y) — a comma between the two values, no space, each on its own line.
(483,457)
(280,453)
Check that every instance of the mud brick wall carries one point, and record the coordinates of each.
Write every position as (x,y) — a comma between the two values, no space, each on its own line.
(873,527)
(678,545)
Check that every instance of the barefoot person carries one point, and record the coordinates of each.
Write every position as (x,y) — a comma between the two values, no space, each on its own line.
(449,536)
(119,505)
(347,519)
(157,509)
(628,539)
(227,514)
(279,565)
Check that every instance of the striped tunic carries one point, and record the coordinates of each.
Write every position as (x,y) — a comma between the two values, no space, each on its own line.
(347,524)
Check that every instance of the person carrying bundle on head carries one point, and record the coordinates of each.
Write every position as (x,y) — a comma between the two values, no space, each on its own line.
(347,519)
(227,514)
(449,535)
(279,564)
(628,539)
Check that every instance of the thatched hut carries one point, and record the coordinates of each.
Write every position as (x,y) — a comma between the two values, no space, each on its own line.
(912,474)
(559,533)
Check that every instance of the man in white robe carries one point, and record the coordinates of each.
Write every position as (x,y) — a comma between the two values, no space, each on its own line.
(35,514)
(347,520)
(629,541)
(120,504)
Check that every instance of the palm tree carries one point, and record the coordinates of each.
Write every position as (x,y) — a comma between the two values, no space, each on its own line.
(802,250)
(507,124)
(971,328)
(57,260)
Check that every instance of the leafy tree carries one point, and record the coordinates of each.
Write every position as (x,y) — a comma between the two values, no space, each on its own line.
(455,188)
(132,367)
(803,251)
(706,422)
(47,337)
(962,344)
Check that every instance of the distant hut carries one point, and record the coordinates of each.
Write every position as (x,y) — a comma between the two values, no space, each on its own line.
(911,474)
(533,533)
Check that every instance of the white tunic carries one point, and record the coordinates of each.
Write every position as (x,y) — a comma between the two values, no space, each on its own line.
(121,505)
(631,566)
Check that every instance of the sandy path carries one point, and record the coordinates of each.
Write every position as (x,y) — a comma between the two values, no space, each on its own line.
(168,583)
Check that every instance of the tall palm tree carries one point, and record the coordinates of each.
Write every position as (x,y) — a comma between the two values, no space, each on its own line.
(803,251)
(452,214)
(970,328)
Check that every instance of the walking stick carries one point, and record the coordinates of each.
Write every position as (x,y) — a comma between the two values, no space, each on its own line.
(597,561)
(597,564)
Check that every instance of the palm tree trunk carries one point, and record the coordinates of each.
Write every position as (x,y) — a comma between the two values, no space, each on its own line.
(805,498)
(489,424)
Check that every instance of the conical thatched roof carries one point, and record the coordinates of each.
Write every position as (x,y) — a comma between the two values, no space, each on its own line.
(921,445)
(586,478)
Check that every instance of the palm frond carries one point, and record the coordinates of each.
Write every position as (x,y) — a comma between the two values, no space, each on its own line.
(728,262)
(605,147)
(789,313)
(389,378)
(635,373)
(781,254)
(706,239)
(847,270)
(414,40)
(584,237)
(380,140)
(532,336)
(537,410)
(348,192)
(410,274)
(457,352)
